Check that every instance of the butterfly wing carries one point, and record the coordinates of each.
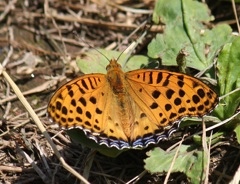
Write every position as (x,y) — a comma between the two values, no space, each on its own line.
(164,98)
(153,102)
(88,103)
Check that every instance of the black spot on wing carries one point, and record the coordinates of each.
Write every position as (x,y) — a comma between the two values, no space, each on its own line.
(159,77)
(154,105)
(84,84)
(201,93)
(168,107)
(58,105)
(169,93)
(64,110)
(73,102)
(93,100)
(166,82)
(79,110)
(70,93)
(181,93)
(83,101)
(182,110)
(195,99)
(150,78)
(88,114)
(177,101)
(156,94)
(98,111)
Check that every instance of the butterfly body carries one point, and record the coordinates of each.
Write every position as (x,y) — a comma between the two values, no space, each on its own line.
(130,110)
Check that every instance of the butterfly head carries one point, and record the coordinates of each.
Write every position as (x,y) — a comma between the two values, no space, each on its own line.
(113,65)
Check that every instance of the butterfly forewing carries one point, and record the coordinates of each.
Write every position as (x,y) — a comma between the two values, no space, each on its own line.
(73,104)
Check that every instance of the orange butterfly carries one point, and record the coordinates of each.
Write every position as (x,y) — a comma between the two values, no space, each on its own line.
(129,110)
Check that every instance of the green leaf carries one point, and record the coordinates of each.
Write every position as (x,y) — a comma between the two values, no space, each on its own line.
(94,62)
(215,138)
(191,162)
(229,78)
(78,136)
(237,131)
(185,30)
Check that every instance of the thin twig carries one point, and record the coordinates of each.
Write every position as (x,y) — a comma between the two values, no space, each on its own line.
(44,178)
(173,161)
(7,9)
(236,15)
(10,52)
(35,90)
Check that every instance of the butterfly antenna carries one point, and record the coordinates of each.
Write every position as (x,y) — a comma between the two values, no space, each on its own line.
(131,47)
(128,50)
(78,37)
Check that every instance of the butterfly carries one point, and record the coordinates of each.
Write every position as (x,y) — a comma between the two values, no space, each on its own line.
(132,109)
